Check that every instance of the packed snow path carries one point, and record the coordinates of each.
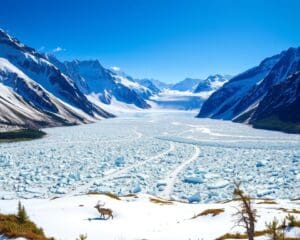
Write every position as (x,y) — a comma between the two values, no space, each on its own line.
(149,152)
(116,173)
(171,179)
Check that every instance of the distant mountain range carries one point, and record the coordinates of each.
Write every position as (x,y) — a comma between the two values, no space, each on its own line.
(37,90)
(211,83)
(266,96)
(188,94)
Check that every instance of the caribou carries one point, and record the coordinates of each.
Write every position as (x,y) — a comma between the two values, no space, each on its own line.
(104,211)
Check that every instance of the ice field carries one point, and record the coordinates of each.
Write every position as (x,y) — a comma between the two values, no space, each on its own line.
(167,154)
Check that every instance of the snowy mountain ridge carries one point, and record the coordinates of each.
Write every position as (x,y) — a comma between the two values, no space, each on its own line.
(82,91)
(241,98)
(212,83)
(39,88)
(188,84)
(190,93)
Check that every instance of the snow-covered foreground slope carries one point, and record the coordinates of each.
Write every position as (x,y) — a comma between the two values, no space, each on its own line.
(167,154)
(138,217)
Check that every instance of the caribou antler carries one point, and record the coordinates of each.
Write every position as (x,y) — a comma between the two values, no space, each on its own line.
(99,204)
(104,211)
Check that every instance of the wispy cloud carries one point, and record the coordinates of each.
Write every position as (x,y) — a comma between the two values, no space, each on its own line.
(115,68)
(58,49)
(41,49)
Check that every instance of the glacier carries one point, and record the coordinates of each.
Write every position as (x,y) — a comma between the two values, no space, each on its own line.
(168,154)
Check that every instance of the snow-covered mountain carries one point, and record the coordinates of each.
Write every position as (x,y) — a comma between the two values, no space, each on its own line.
(280,108)
(188,84)
(30,83)
(188,94)
(158,84)
(78,91)
(242,97)
(148,83)
(211,83)
(222,103)
(104,86)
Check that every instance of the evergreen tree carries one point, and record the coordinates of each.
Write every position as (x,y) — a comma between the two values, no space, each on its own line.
(22,214)
(276,231)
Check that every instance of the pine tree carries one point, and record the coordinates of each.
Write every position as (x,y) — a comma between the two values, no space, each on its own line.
(22,214)
(291,220)
(275,230)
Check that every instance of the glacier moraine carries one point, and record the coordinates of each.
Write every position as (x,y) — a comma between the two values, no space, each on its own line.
(168,154)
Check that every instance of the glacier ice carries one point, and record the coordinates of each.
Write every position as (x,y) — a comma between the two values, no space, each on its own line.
(141,152)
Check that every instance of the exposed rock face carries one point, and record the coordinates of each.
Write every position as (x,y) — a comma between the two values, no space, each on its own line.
(265,96)
(52,98)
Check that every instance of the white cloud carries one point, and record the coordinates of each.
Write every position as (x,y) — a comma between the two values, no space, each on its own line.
(42,48)
(115,68)
(58,49)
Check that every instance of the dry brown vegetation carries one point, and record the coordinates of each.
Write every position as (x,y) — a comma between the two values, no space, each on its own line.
(55,197)
(212,211)
(108,194)
(232,236)
(229,200)
(244,236)
(131,195)
(11,227)
(272,228)
(160,201)
(294,211)
(267,202)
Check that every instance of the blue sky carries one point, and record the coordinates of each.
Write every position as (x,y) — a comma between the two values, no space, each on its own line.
(162,39)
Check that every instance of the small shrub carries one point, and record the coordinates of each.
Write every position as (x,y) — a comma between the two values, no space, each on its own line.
(291,220)
(275,230)
(82,237)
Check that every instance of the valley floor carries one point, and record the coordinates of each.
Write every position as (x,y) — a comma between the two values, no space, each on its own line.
(152,154)
(168,154)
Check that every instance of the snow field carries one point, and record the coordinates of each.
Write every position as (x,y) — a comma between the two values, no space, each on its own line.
(139,218)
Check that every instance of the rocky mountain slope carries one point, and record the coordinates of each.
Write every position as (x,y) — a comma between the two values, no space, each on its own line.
(243,97)
(280,108)
(106,85)
(39,87)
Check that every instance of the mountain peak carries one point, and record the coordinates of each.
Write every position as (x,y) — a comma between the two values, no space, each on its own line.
(211,83)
